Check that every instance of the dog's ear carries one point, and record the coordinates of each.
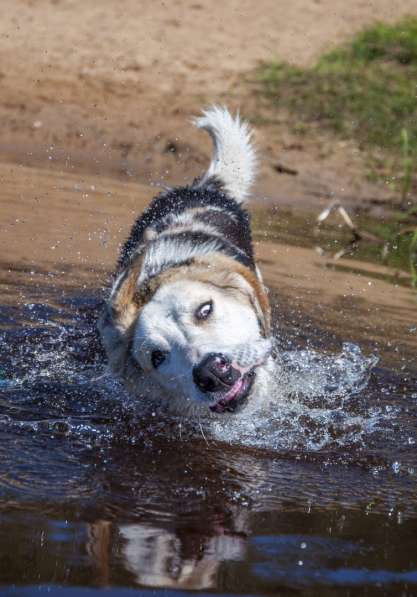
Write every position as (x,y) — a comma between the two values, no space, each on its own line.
(116,323)
(252,286)
(123,303)
(230,275)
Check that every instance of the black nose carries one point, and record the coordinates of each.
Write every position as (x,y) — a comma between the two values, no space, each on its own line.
(214,373)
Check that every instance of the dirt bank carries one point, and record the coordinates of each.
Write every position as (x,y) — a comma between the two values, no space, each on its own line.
(95,104)
(108,87)
(62,236)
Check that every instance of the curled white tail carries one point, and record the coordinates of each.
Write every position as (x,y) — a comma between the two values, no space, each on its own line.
(234,158)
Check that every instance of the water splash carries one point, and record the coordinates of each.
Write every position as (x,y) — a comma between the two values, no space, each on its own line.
(57,386)
(315,404)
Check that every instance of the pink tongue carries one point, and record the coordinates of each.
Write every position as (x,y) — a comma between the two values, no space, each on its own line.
(220,406)
(234,391)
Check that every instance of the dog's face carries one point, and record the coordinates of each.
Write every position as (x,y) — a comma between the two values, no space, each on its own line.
(200,337)
(188,338)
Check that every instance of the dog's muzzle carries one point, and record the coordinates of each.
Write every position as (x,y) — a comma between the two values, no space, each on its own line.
(228,380)
(215,373)
(227,385)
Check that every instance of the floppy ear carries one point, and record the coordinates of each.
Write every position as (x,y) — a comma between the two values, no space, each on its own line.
(252,286)
(122,302)
(250,283)
(116,323)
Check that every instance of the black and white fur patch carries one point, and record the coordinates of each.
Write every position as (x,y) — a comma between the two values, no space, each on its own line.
(207,216)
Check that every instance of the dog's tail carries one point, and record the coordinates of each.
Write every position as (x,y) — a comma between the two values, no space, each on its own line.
(234,158)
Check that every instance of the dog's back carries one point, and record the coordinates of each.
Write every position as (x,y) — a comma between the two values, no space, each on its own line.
(206,216)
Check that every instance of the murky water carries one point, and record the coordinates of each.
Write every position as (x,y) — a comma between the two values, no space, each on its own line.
(318,497)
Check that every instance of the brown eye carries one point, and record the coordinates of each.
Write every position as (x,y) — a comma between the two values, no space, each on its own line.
(157,358)
(204,311)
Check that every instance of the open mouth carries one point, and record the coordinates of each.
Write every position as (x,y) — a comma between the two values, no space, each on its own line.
(237,394)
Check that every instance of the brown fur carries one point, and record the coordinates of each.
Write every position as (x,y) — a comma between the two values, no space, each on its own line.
(118,320)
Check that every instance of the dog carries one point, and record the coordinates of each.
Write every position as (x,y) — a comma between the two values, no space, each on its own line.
(159,557)
(187,324)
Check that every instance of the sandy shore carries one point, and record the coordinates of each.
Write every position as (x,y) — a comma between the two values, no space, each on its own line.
(95,104)
(108,87)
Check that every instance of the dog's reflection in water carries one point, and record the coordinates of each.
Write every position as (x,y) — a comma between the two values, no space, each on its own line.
(160,557)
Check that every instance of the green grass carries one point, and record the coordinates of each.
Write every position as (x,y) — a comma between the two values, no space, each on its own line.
(365,90)
(300,229)
(413,259)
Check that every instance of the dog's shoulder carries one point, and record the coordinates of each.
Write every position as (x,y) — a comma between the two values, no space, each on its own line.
(200,217)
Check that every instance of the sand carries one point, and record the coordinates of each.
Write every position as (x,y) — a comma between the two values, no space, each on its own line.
(95,107)
(109,87)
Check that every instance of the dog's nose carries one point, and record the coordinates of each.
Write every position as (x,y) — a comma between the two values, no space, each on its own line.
(214,373)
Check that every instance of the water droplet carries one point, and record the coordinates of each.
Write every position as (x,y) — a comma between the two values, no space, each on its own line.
(396,467)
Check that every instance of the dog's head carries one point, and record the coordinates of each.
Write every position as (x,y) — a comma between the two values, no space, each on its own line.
(199,332)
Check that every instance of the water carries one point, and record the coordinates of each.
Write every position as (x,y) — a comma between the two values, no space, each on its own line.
(317,495)
(320,494)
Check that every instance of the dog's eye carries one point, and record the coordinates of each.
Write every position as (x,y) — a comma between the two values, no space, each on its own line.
(204,310)
(157,358)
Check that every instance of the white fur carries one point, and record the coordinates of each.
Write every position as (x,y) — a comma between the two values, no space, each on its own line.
(168,249)
(234,158)
(167,323)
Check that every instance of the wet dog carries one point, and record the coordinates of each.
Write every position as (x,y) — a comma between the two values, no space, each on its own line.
(187,322)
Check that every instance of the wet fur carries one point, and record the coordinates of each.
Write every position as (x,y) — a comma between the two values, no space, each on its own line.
(198,232)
